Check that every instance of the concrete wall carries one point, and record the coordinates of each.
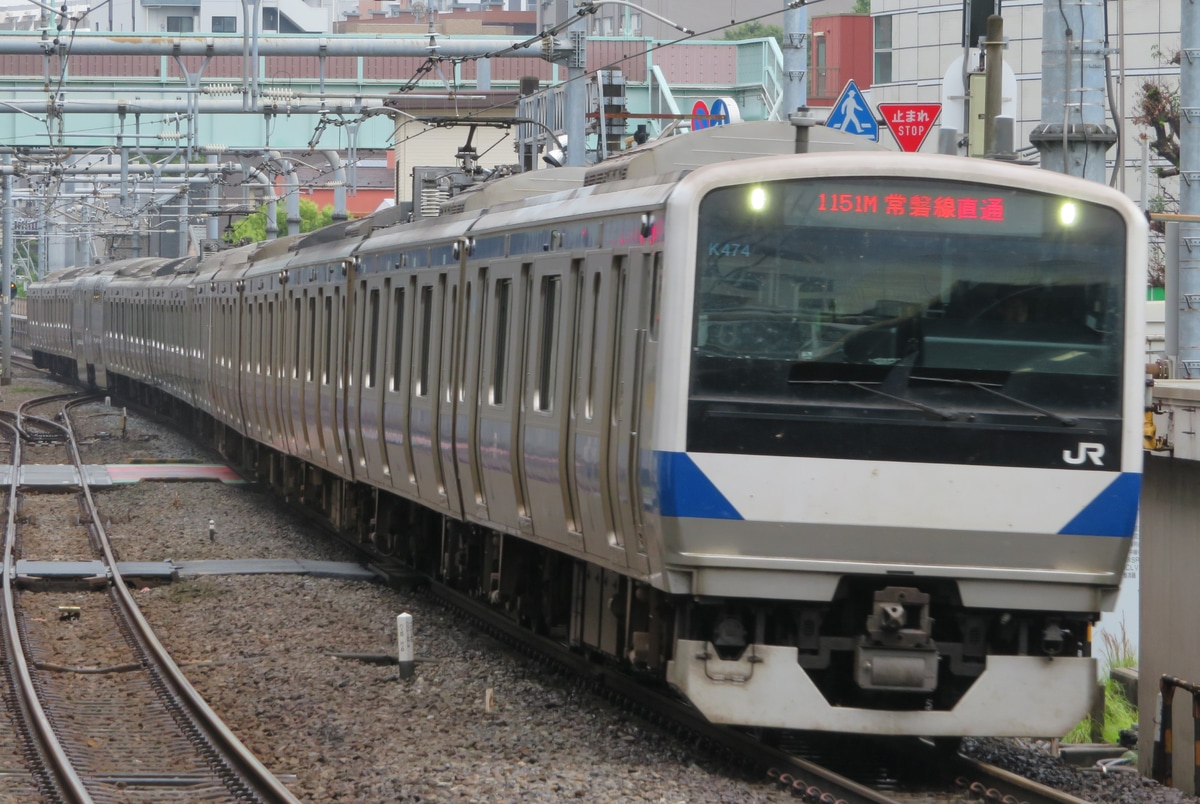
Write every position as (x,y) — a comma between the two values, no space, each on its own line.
(1169,601)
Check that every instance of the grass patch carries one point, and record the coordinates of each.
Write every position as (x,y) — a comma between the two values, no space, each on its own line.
(1119,712)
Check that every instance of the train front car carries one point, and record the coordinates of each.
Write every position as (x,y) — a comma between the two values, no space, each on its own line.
(898,452)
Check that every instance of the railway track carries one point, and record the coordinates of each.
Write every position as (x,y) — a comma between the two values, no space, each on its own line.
(947,776)
(105,714)
(808,779)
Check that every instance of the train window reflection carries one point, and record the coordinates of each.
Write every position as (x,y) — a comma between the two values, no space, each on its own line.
(426,337)
(975,284)
(397,337)
(548,353)
(500,341)
(372,323)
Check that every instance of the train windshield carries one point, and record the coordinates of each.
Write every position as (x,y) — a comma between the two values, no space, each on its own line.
(907,303)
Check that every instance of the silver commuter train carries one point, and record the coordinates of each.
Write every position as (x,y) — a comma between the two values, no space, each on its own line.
(841,441)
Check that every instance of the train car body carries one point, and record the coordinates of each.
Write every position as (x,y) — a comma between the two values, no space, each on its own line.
(834,441)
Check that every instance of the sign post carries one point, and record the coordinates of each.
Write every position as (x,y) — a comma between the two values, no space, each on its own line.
(910,123)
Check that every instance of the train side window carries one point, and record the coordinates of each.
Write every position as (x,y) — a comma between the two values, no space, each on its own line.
(448,370)
(461,370)
(595,360)
(312,338)
(327,364)
(655,295)
(271,337)
(372,323)
(398,337)
(548,351)
(252,350)
(500,341)
(297,309)
(426,337)
(260,341)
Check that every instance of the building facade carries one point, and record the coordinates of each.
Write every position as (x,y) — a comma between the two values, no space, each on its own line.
(918,42)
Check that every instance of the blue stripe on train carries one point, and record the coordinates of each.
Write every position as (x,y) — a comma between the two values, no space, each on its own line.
(685,491)
(1112,513)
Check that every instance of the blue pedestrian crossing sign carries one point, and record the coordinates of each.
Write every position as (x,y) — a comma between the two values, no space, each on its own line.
(852,114)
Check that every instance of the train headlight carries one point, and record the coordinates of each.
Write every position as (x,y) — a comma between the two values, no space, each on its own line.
(758,199)
(1068,213)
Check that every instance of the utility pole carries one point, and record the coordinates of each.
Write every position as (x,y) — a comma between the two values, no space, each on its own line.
(795,58)
(576,111)
(6,275)
(1189,194)
(1073,137)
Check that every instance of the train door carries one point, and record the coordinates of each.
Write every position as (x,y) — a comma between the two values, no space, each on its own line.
(591,422)
(502,365)
(314,306)
(448,390)
(466,421)
(289,367)
(365,416)
(253,406)
(276,315)
(635,278)
(396,441)
(332,403)
(195,347)
(356,372)
(231,357)
(424,388)
(546,397)
(263,368)
(96,305)
(340,460)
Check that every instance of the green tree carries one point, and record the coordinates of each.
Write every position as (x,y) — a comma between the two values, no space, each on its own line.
(755,30)
(1157,107)
(862,6)
(254,226)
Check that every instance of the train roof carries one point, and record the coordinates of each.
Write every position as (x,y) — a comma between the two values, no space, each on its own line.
(716,144)
(661,160)
(516,188)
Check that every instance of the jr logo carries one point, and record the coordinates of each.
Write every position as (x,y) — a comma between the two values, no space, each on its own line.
(1086,451)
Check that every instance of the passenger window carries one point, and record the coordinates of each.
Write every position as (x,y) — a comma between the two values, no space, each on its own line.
(372,322)
(426,337)
(398,338)
(327,364)
(500,341)
(548,351)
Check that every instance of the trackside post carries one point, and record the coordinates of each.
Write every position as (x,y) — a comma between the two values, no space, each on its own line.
(404,642)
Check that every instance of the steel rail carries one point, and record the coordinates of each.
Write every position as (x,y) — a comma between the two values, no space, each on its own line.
(992,784)
(57,764)
(261,782)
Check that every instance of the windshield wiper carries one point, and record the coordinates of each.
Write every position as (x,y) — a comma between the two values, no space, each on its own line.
(1065,421)
(890,387)
(941,414)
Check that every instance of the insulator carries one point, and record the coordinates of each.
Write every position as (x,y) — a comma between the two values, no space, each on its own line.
(170,135)
(221,89)
(278,93)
